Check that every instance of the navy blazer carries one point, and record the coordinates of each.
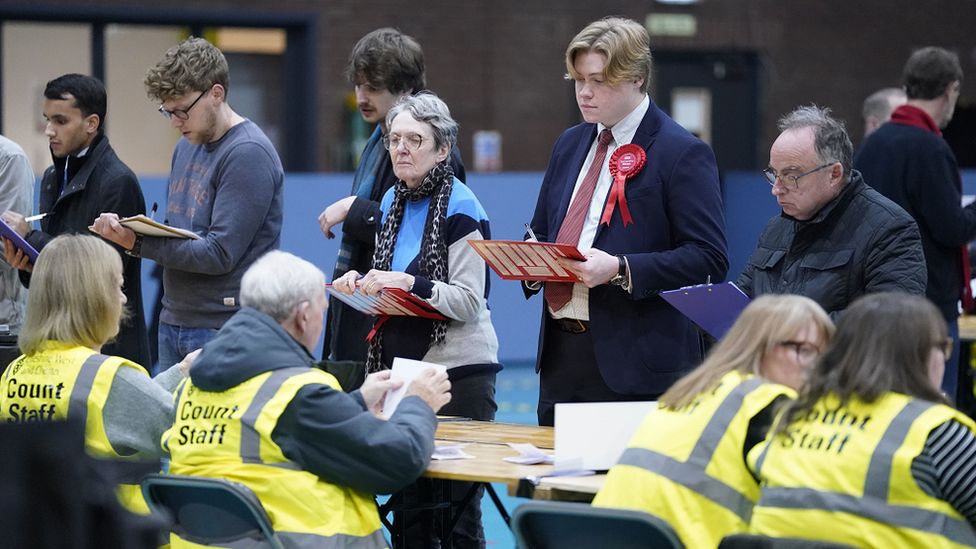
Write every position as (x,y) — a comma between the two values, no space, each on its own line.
(642,344)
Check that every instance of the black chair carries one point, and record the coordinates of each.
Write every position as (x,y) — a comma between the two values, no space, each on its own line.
(552,524)
(210,511)
(755,541)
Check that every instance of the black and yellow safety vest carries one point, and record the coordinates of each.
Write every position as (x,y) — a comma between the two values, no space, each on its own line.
(685,465)
(227,435)
(843,474)
(68,381)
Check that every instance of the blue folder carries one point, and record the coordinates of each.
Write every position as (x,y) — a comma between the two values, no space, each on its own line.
(713,307)
(17,241)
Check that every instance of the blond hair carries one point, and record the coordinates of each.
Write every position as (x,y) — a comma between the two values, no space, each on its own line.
(766,322)
(192,65)
(74,294)
(625,44)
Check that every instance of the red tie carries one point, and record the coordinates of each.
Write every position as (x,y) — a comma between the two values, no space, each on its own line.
(558,294)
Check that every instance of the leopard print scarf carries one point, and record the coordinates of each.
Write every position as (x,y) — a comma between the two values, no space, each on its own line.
(433,248)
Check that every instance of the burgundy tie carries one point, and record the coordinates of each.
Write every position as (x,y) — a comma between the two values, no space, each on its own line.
(558,294)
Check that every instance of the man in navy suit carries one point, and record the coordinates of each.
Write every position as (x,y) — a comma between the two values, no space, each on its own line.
(611,338)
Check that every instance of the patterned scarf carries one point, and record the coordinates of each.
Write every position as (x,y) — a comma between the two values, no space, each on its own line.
(433,248)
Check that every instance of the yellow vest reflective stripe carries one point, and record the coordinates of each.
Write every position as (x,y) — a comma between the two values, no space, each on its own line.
(691,473)
(923,522)
(228,435)
(250,437)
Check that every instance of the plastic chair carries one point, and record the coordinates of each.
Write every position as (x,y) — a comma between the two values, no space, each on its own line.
(208,510)
(552,524)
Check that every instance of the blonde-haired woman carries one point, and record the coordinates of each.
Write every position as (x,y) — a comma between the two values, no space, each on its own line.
(687,462)
(74,307)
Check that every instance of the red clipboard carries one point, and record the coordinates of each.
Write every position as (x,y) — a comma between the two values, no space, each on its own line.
(389,302)
(527,260)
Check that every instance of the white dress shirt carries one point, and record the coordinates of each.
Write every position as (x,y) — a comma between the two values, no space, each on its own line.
(623,133)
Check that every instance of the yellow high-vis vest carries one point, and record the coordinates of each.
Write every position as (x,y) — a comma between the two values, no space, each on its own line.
(227,435)
(843,474)
(68,381)
(686,465)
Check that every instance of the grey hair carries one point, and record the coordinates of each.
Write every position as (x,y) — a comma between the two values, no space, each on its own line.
(830,139)
(427,107)
(278,282)
(877,104)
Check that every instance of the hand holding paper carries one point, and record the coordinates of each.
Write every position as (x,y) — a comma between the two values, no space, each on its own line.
(423,379)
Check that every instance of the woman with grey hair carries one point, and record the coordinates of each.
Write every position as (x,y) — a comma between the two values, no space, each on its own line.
(422,248)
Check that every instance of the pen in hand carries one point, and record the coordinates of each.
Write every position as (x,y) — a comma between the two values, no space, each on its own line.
(37,217)
(152,211)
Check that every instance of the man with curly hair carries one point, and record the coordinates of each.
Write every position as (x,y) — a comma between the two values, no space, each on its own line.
(225,185)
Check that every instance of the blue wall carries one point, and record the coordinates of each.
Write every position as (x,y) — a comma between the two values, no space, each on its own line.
(509,199)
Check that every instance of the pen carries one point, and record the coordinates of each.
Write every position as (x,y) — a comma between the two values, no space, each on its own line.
(37,217)
(531,232)
(152,211)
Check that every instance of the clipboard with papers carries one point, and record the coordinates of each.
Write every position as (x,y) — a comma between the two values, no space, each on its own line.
(148,227)
(389,302)
(6,231)
(713,307)
(527,260)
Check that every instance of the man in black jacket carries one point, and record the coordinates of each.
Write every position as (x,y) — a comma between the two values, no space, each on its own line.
(87,178)
(836,238)
(908,161)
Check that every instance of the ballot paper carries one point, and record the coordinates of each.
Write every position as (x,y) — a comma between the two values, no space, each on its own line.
(404,370)
(528,454)
(450,451)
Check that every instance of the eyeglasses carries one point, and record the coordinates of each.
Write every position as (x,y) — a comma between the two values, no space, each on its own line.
(772,176)
(182,114)
(412,141)
(945,346)
(805,352)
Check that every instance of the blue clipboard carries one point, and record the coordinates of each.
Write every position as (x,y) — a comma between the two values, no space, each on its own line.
(18,241)
(713,307)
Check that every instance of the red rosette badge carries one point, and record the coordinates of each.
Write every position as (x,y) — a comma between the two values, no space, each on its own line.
(625,162)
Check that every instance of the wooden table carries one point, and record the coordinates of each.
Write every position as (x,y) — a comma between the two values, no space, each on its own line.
(488,443)
(967,328)
(569,488)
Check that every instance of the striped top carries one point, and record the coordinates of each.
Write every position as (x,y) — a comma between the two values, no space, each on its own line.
(946,468)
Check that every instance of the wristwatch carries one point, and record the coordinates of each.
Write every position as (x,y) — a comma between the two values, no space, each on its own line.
(136,250)
(621,277)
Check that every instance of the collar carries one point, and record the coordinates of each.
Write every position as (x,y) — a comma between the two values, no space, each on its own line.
(623,131)
(910,115)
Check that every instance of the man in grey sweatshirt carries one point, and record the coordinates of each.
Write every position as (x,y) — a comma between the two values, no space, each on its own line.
(225,185)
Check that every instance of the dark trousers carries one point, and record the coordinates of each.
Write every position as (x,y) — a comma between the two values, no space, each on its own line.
(473,397)
(569,373)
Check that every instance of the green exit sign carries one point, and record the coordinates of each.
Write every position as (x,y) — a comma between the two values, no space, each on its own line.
(671,24)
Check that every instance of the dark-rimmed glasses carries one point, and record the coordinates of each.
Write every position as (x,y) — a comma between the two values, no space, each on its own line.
(805,352)
(182,114)
(412,141)
(772,176)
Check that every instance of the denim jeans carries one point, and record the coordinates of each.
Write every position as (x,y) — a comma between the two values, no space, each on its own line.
(175,342)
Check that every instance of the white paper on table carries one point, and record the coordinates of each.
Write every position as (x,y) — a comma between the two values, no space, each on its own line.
(404,370)
(528,454)
(450,451)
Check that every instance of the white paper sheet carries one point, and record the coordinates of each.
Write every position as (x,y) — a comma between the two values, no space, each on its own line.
(405,370)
